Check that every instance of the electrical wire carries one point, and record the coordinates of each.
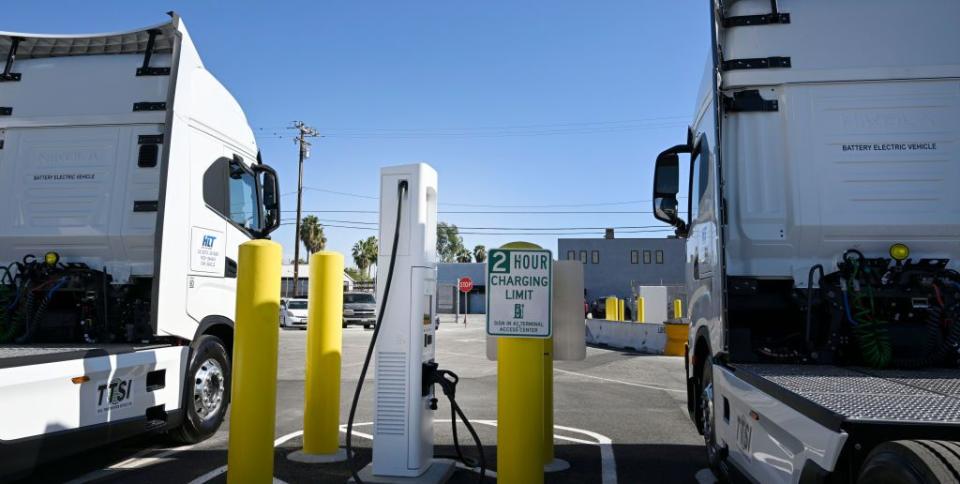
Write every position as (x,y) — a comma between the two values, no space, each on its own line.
(401,189)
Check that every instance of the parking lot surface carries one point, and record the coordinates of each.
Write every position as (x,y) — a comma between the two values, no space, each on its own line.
(619,416)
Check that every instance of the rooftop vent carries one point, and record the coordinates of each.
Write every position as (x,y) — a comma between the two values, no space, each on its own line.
(608,234)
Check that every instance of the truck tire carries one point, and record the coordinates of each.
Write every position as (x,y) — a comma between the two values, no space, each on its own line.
(912,462)
(707,418)
(206,391)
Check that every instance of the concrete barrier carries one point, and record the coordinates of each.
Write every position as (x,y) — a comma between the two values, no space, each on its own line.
(642,337)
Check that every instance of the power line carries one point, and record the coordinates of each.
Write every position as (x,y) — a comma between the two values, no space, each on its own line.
(491,234)
(500,212)
(483,205)
(328,222)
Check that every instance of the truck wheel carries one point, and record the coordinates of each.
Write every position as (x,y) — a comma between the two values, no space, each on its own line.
(206,391)
(707,421)
(912,462)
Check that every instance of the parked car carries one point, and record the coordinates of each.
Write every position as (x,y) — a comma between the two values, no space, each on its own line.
(293,313)
(359,308)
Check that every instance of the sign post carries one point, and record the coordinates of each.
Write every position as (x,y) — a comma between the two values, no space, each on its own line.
(465,284)
(519,300)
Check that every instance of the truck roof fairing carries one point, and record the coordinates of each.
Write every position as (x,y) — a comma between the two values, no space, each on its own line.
(34,46)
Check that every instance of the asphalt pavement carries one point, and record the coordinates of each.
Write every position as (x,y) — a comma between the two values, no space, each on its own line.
(619,416)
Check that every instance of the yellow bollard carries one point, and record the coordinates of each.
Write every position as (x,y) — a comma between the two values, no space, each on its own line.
(641,315)
(522,399)
(253,405)
(520,410)
(677,309)
(321,410)
(621,309)
(548,401)
(612,310)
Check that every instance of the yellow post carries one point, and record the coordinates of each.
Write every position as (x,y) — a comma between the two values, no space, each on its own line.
(521,404)
(520,410)
(547,401)
(254,390)
(677,309)
(321,410)
(612,309)
(621,309)
(641,315)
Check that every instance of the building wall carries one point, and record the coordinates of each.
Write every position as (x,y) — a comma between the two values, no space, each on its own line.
(447,276)
(612,266)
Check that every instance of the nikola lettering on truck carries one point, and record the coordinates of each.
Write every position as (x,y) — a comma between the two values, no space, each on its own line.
(823,236)
(129,177)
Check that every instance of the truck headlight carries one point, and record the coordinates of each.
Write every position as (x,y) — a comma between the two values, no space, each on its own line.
(348,312)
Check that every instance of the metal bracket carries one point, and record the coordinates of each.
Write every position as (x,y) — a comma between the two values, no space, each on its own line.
(8,76)
(747,20)
(6,111)
(750,100)
(755,63)
(150,139)
(149,106)
(145,205)
(146,70)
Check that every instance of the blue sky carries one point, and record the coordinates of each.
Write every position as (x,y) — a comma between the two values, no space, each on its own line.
(538,103)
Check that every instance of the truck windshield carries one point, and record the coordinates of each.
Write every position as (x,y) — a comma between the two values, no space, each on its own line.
(297,305)
(358,299)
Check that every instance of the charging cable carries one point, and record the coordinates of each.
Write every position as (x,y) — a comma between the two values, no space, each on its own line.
(401,189)
(445,378)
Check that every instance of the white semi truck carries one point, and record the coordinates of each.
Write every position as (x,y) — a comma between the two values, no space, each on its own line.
(822,221)
(128,178)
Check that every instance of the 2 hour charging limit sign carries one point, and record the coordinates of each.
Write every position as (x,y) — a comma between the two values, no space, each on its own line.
(519,293)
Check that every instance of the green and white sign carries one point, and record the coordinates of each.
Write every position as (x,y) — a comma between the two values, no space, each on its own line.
(519,293)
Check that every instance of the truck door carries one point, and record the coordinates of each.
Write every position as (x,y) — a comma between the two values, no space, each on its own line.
(704,270)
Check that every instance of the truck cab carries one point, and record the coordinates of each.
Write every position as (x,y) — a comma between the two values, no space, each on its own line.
(129,177)
(820,211)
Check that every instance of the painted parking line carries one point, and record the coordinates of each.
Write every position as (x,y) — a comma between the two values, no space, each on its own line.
(608,463)
(611,380)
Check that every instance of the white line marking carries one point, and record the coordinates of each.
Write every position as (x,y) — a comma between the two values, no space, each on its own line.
(641,385)
(210,475)
(138,460)
(608,463)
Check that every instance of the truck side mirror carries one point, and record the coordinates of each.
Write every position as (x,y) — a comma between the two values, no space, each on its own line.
(269,197)
(666,185)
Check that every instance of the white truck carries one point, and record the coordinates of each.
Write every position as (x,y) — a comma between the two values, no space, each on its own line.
(822,220)
(128,178)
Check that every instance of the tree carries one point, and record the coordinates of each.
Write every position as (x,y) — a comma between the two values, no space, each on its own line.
(354,273)
(464,256)
(311,234)
(449,242)
(480,253)
(359,254)
(371,248)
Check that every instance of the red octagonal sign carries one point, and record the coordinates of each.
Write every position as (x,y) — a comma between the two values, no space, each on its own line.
(465,284)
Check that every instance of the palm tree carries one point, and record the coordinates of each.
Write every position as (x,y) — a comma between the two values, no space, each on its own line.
(480,253)
(464,256)
(371,249)
(311,234)
(359,253)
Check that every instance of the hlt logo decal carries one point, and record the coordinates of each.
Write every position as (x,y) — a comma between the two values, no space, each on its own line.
(208,240)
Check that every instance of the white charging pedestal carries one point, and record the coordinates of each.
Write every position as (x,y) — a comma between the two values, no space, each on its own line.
(403,419)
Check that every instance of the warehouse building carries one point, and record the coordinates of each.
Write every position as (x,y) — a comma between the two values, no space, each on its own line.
(612,267)
(286,281)
(448,297)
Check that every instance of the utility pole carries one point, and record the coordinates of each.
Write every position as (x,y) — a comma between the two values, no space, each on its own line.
(303,132)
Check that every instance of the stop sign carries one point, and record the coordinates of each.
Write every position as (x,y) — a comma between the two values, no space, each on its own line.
(465,284)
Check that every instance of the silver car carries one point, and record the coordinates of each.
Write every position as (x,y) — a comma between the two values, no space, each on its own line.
(359,308)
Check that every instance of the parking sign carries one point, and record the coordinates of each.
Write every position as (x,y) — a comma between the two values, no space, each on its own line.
(519,293)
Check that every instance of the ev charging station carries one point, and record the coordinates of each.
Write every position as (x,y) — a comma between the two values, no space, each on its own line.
(404,404)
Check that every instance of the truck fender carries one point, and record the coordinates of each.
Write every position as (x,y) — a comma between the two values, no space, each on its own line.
(701,351)
(219,326)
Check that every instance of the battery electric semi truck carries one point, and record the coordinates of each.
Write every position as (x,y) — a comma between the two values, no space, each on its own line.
(822,222)
(128,178)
